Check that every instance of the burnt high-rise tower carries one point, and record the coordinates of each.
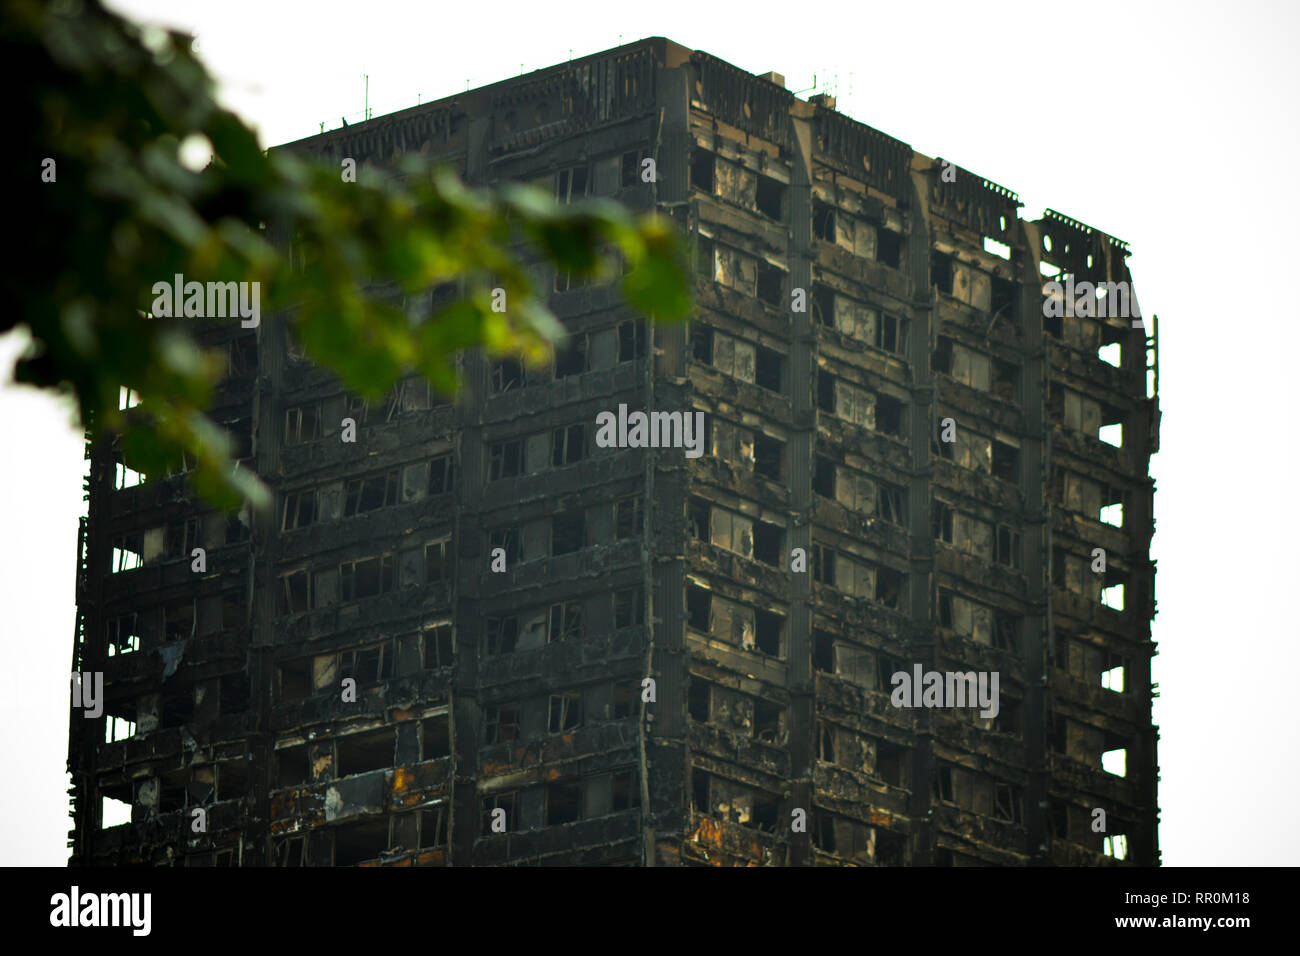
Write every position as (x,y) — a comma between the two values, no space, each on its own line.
(918,451)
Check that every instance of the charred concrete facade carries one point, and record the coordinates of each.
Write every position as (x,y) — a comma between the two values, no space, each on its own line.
(903,466)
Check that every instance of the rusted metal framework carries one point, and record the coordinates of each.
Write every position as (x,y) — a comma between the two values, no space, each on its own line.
(890,399)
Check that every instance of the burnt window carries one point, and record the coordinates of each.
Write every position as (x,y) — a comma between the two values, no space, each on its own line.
(1006,294)
(571,183)
(433,827)
(565,712)
(508,541)
(362,753)
(697,518)
(437,561)
(891,503)
(295,592)
(438,647)
(698,601)
(823,221)
(632,162)
(295,679)
(889,587)
(626,791)
(891,334)
(442,475)
(291,766)
(768,627)
(889,247)
(771,283)
(1006,380)
(565,621)
(626,697)
(366,577)
(825,391)
(768,539)
(563,802)
(823,651)
(823,482)
(502,633)
(941,357)
(941,521)
(770,198)
(823,564)
(769,722)
(889,416)
(941,272)
(501,723)
(702,170)
(702,344)
(505,459)
(768,453)
(823,304)
(891,763)
(299,510)
(507,374)
(571,358)
(629,607)
(1007,802)
(628,517)
(568,445)
(1007,547)
(302,424)
(631,340)
(435,737)
(568,532)
(1006,461)
(367,665)
(371,493)
(699,697)
(1006,632)
(767,368)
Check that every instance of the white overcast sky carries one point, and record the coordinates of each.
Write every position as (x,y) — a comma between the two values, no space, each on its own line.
(1169,125)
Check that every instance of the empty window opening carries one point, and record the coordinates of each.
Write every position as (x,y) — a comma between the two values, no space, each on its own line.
(502,635)
(889,587)
(433,827)
(113,812)
(767,543)
(568,532)
(302,424)
(1110,354)
(767,369)
(1006,461)
(769,722)
(889,247)
(995,248)
(178,620)
(435,738)
(565,712)
(291,851)
(771,283)
(1112,434)
(571,183)
(123,634)
(118,728)
(1006,379)
(823,564)
(941,272)
(891,504)
(1006,295)
(702,170)
(568,445)
(1007,547)
(698,605)
(571,358)
(891,763)
(365,577)
(823,651)
(628,517)
(626,791)
(367,665)
(299,510)
(177,709)
(438,648)
(565,621)
(768,453)
(1006,632)
(1115,845)
(291,766)
(629,607)
(563,802)
(1115,762)
(823,482)
(505,459)
(128,552)
(770,198)
(699,698)
(889,416)
(1007,802)
(354,843)
(507,374)
(891,334)
(626,697)
(362,753)
(1112,678)
(437,561)
(370,493)
(768,627)
(501,724)
(698,518)
(631,340)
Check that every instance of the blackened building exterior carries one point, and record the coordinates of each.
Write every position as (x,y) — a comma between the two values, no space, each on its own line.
(904,464)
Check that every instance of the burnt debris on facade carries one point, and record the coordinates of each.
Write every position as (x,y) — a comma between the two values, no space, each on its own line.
(944,437)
